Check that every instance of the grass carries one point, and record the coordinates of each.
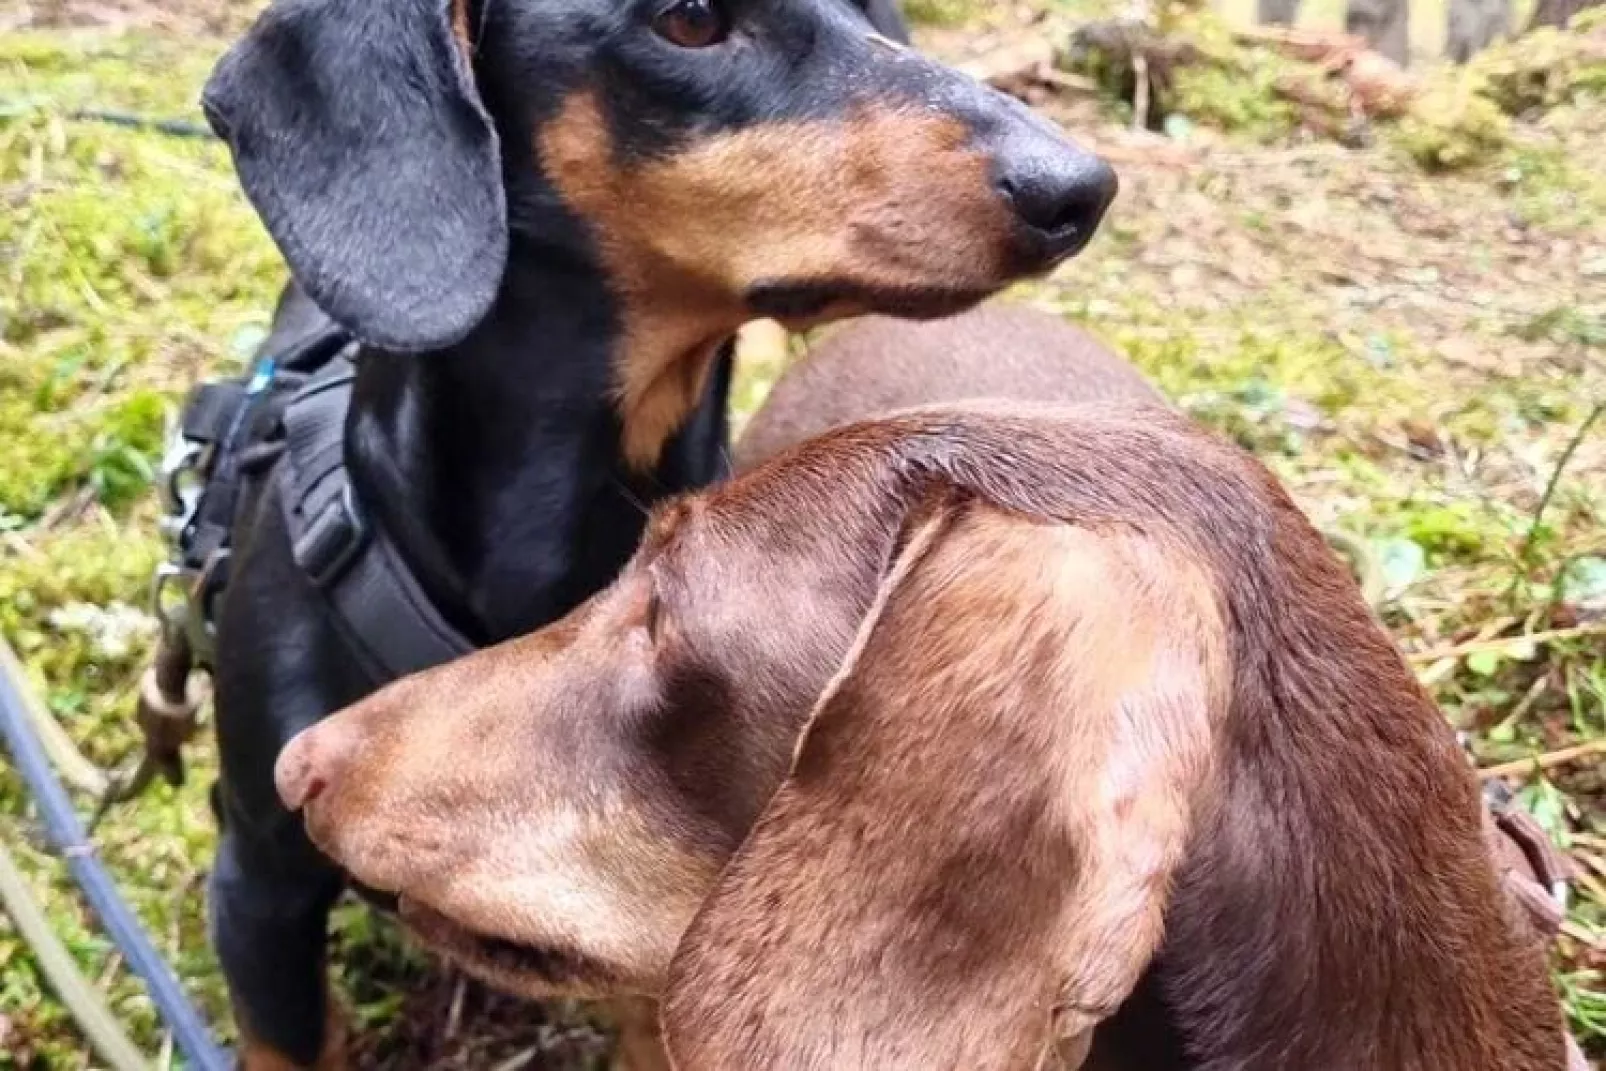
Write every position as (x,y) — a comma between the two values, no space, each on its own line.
(1412,353)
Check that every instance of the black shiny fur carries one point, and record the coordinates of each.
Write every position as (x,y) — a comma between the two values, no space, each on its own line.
(395,168)
(492,461)
(500,481)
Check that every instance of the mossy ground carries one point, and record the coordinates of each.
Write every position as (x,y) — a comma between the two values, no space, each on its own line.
(1412,353)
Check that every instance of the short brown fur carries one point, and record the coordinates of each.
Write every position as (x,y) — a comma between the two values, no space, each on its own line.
(1018,627)
(1097,786)
(877,365)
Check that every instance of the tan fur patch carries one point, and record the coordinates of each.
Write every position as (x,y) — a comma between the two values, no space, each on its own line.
(885,200)
(597,851)
(460,29)
(257,1056)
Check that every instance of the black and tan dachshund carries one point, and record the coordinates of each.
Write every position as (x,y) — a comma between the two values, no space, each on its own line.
(545,220)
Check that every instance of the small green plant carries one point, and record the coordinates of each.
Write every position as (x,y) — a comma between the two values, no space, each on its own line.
(120,461)
(1544,68)
(1453,126)
(1240,97)
(942,12)
(1566,325)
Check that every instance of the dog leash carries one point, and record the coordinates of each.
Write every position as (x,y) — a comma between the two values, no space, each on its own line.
(70,841)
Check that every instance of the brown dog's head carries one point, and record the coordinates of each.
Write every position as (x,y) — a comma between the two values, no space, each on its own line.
(704,161)
(986,627)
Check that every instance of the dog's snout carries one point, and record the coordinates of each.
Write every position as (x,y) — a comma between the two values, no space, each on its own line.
(1056,190)
(307,765)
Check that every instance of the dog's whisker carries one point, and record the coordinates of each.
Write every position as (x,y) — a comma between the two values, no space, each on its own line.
(630,496)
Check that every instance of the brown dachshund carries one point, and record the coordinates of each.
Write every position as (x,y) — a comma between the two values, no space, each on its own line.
(906,748)
(878,364)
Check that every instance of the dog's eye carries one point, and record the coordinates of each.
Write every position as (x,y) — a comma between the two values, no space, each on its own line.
(693,23)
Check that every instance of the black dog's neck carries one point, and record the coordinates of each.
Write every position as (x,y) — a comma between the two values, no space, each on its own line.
(494,466)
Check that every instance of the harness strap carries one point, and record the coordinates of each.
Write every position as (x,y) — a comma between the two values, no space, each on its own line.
(380,609)
(225,430)
(231,415)
(210,411)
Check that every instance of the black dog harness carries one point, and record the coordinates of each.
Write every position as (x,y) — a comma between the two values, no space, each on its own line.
(286,420)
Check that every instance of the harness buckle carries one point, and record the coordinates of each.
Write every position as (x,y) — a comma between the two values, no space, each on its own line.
(331,540)
(181,479)
(170,609)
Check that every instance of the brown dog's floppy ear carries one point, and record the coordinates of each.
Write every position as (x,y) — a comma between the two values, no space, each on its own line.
(361,140)
(971,855)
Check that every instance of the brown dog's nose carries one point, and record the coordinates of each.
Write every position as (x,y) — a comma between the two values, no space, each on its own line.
(308,763)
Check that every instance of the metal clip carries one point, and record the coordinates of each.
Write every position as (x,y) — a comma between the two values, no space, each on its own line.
(171,614)
(167,723)
(179,488)
(170,696)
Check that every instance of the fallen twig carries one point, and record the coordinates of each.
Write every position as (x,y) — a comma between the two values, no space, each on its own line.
(1578,933)
(1503,643)
(454,1017)
(1053,76)
(1551,484)
(88,1007)
(1302,44)
(1140,91)
(1547,761)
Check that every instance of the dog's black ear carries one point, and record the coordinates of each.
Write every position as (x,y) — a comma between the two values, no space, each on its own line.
(887,19)
(362,142)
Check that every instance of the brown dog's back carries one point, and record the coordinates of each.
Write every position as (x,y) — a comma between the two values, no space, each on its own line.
(878,365)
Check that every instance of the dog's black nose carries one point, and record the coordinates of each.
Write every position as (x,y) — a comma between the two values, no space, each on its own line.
(1059,192)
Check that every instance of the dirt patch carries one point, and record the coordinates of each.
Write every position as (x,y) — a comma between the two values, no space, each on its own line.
(210,17)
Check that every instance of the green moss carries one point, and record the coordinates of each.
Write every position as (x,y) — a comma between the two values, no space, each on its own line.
(128,250)
(1462,119)
(1311,366)
(1543,69)
(1547,186)
(1453,126)
(941,12)
(141,72)
(1238,98)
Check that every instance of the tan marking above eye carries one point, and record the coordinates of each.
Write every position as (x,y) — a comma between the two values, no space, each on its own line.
(460,29)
